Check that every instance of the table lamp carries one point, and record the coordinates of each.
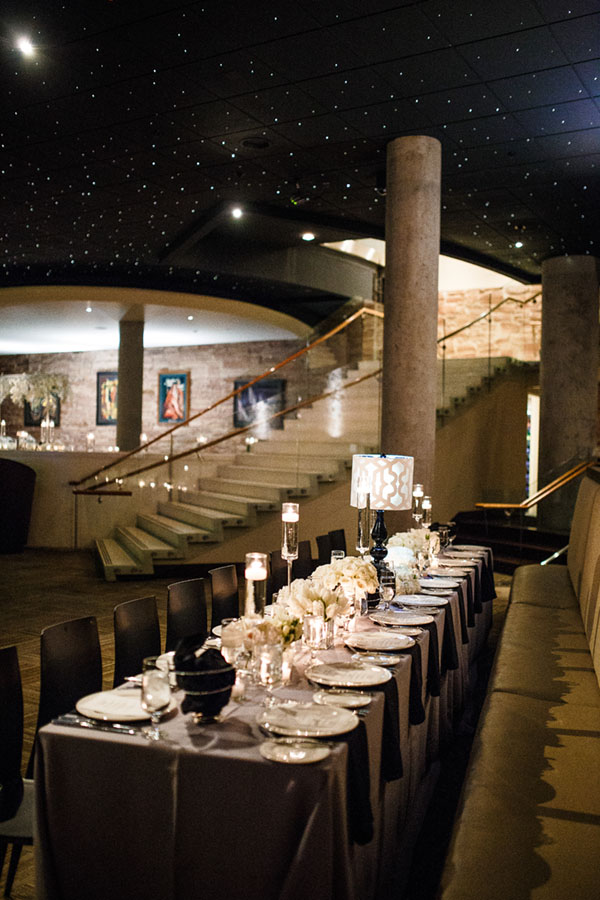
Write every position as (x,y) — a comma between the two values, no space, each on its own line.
(389,479)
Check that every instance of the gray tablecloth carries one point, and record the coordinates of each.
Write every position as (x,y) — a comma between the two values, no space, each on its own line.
(203,814)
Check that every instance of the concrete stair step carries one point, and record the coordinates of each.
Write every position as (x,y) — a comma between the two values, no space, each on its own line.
(179,534)
(193,515)
(115,560)
(144,546)
(300,483)
(242,488)
(236,502)
(227,519)
(324,469)
(227,503)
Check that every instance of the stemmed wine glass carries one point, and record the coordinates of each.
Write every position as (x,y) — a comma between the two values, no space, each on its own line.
(156,694)
(289,535)
(387,588)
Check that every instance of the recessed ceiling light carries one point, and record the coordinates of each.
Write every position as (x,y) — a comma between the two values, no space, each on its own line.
(190,318)
(518,244)
(88,309)
(308,236)
(236,212)
(25,46)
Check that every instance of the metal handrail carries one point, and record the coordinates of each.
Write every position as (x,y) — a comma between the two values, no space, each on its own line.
(489,312)
(225,437)
(544,492)
(363,311)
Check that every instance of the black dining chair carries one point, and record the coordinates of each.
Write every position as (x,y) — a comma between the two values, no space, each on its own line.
(324,548)
(70,668)
(137,635)
(278,576)
(304,565)
(338,539)
(16,794)
(225,599)
(186,610)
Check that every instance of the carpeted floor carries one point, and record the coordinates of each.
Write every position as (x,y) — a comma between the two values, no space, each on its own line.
(39,588)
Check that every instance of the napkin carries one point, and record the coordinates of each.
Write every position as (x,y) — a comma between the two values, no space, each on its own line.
(191,660)
(391,754)
(433,659)
(488,588)
(449,649)
(416,711)
(464,634)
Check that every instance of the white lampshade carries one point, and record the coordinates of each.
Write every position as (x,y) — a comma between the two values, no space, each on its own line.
(389,480)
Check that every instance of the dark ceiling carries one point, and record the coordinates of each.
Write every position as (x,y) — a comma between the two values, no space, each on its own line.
(136,120)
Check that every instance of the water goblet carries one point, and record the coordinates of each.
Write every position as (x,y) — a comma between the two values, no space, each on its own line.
(387,588)
(156,694)
(312,634)
(268,663)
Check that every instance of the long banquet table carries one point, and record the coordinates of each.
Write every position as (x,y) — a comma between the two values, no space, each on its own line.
(203,814)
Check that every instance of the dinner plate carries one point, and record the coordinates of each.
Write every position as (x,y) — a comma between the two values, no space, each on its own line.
(343,699)
(470,547)
(447,572)
(430,600)
(347,674)
(115,706)
(217,630)
(437,582)
(378,641)
(294,751)
(401,618)
(377,659)
(307,720)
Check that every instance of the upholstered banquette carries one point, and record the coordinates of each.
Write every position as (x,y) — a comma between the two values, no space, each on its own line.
(528,824)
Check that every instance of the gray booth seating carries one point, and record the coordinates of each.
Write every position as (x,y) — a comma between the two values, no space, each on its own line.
(528,824)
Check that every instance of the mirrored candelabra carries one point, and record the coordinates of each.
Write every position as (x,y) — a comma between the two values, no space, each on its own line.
(290,516)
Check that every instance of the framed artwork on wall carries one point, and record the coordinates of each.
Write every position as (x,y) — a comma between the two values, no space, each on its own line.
(107,396)
(35,413)
(259,402)
(173,397)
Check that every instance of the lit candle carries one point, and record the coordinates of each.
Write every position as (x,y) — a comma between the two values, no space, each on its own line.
(91,440)
(290,516)
(256,584)
(418,491)
(2,428)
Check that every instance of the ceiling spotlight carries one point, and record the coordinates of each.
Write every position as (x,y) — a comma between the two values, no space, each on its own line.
(518,244)
(308,236)
(190,318)
(25,46)
(236,212)
(88,309)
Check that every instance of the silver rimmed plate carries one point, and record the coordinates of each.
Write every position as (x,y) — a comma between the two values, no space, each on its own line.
(295,752)
(307,720)
(429,600)
(379,641)
(401,618)
(452,571)
(437,582)
(343,699)
(377,659)
(347,674)
(115,706)
(471,548)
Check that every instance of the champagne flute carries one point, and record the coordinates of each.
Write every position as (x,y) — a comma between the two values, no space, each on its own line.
(289,535)
(156,694)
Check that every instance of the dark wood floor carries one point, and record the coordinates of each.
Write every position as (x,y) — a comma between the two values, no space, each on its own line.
(40,588)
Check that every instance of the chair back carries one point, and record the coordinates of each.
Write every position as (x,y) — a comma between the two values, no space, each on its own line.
(137,635)
(225,600)
(338,539)
(11,718)
(70,668)
(304,565)
(278,577)
(186,610)
(324,547)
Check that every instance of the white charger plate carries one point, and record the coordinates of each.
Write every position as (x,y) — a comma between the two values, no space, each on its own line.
(377,641)
(377,659)
(115,706)
(295,752)
(307,720)
(401,618)
(470,547)
(437,582)
(347,674)
(429,600)
(343,699)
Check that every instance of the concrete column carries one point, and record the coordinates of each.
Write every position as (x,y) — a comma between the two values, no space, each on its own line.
(568,374)
(412,234)
(131,375)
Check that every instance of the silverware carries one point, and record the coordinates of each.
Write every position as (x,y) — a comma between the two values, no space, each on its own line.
(110,727)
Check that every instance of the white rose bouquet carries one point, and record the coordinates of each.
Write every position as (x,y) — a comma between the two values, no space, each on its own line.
(418,540)
(288,625)
(352,576)
(306,596)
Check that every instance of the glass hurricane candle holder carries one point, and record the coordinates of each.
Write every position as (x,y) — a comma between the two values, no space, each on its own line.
(290,516)
(427,515)
(417,509)
(256,584)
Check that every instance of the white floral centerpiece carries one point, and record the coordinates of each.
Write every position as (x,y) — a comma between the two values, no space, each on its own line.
(306,596)
(417,540)
(407,580)
(352,576)
(287,624)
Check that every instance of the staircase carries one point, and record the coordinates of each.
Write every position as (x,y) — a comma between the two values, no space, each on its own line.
(237,491)
(515,540)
